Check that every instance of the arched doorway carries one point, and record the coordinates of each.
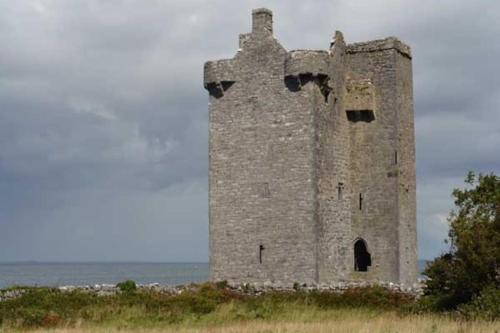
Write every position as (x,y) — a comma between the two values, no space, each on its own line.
(362,258)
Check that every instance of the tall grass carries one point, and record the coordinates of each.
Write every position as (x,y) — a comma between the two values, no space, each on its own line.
(331,321)
(213,308)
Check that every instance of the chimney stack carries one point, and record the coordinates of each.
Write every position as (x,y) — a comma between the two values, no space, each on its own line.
(262,20)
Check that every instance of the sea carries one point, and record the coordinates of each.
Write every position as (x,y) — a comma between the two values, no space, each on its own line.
(91,273)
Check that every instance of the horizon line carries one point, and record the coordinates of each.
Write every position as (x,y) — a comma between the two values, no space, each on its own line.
(114,262)
(98,262)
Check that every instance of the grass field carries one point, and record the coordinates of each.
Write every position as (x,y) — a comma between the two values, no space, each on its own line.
(328,321)
(208,308)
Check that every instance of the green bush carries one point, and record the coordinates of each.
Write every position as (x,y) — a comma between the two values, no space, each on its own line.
(46,307)
(460,275)
(221,284)
(127,286)
(485,306)
(32,317)
(365,297)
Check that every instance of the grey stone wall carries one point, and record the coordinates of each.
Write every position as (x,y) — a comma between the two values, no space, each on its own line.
(408,271)
(383,161)
(373,146)
(333,167)
(261,170)
(295,139)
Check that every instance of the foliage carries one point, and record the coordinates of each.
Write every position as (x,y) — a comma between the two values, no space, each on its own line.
(127,286)
(297,319)
(371,297)
(485,306)
(221,284)
(472,263)
(197,304)
(45,306)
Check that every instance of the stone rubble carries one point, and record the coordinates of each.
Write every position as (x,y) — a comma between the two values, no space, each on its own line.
(245,288)
(259,288)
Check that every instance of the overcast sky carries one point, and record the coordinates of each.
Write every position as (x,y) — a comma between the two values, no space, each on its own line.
(103,116)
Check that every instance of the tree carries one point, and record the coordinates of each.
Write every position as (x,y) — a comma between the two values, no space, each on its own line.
(472,263)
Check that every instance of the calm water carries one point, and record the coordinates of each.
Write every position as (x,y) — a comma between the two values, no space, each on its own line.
(57,274)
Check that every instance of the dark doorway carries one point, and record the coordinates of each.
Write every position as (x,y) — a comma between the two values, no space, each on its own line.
(362,258)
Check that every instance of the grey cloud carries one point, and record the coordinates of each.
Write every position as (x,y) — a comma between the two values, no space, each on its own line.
(103,118)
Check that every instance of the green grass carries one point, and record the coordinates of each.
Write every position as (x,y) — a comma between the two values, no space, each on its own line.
(201,306)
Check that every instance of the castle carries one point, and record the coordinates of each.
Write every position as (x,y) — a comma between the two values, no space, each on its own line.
(311,161)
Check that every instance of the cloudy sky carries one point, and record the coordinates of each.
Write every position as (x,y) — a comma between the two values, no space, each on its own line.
(103,117)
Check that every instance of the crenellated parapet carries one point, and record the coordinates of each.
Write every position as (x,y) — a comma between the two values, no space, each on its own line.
(303,66)
(218,76)
(303,62)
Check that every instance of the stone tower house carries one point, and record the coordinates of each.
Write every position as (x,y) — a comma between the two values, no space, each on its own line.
(312,161)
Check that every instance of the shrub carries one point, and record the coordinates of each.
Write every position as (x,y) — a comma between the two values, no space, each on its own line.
(485,306)
(363,297)
(32,317)
(46,307)
(471,264)
(127,286)
(50,319)
(221,284)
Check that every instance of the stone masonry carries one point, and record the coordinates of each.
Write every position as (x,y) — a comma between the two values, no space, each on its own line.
(311,162)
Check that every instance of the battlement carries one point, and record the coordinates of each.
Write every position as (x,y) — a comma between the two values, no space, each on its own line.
(303,66)
(218,76)
(380,45)
(307,62)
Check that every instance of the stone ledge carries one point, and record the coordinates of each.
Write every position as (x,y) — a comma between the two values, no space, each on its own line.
(307,62)
(380,45)
(218,71)
(415,289)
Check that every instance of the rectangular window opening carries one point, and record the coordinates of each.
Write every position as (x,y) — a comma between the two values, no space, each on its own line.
(266,193)
(340,187)
(360,115)
(396,157)
(261,248)
(360,201)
